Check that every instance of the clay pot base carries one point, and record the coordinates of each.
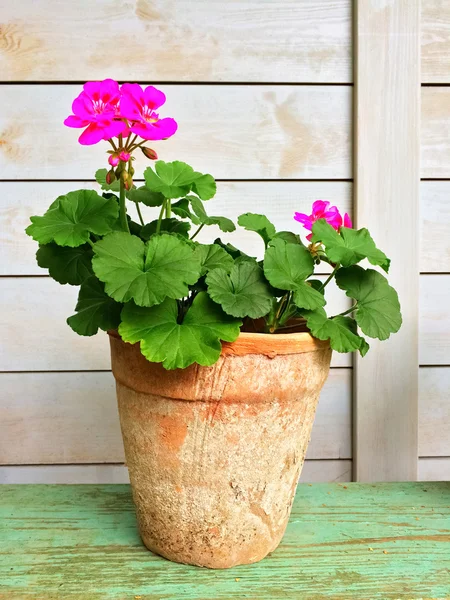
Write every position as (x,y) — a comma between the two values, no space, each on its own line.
(205,559)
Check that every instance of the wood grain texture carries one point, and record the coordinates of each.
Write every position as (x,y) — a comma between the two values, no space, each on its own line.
(434,226)
(72,418)
(382,542)
(181,40)
(434,411)
(314,471)
(434,469)
(435,133)
(37,338)
(434,320)
(435,22)
(278,200)
(232,132)
(387,109)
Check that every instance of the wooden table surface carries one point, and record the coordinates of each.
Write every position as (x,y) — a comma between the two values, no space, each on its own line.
(343,541)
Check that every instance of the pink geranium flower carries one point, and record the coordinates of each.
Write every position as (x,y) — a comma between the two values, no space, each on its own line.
(97,109)
(138,106)
(321,209)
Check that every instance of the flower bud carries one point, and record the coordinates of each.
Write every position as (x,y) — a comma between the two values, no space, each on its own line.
(131,171)
(128,184)
(149,153)
(113,159)
(124,175)
(110,177)
(124,156)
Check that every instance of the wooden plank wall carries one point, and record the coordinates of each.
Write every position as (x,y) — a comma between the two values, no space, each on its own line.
(263,94)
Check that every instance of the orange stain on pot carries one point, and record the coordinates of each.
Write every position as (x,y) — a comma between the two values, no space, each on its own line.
(172,431)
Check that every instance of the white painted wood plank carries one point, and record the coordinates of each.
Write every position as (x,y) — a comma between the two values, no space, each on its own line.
(434,469)
(434,411)
(183,40)
(314,471)
(278,200)
(435,133)
(232,132)
(35,337)
(387,109)
(72,418)
(434,320)
(435,226)
(435,41)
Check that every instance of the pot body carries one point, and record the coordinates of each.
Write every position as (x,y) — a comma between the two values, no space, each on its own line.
(215,453)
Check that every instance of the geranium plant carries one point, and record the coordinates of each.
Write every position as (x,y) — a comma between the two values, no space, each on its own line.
(158,285)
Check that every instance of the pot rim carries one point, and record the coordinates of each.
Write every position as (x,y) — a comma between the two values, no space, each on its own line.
(268,344)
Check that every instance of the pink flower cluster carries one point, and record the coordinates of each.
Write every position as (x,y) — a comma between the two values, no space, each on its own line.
(107,110)
(321,209)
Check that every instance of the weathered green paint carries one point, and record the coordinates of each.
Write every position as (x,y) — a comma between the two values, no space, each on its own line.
(81,541)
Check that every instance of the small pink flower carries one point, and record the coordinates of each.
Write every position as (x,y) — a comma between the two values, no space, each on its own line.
(124,156)
(347,221)
(96,108)
(113,160)
(321,209)
(138,106)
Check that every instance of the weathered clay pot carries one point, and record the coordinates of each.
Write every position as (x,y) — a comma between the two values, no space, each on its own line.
(215,453)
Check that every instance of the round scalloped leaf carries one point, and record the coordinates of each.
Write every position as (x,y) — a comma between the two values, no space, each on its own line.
(177,345)
(286,266)
(212,256)
(242,293)
(349,246)
(340,330)
(259,224)
(146,273)
(73,218)
(65,264)
(94,310)
(378,309)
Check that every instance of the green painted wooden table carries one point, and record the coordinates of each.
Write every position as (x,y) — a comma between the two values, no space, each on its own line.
(343,541)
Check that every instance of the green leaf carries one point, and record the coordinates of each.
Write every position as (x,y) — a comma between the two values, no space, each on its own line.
(242,293)
(169,225)
(176,179)
(223,223)
(212,256)
(181,209)
(145,196)
(258,223)
(378,309)
(341,331)
(146,273)
(94,309)
(306,296)
(288,236)
(348,247)
(286,266)
(204,186)
(65,264)
(76,215)
(234,252)
(100,176)
(178,345)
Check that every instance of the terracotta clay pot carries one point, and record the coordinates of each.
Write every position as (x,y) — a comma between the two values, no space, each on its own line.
(215,453)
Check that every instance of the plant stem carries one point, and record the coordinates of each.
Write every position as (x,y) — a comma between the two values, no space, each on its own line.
(139,214)
(122,207)
(168,208)
(161,213)
(198,231)
(333,273)
(346,312)
(90,242)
